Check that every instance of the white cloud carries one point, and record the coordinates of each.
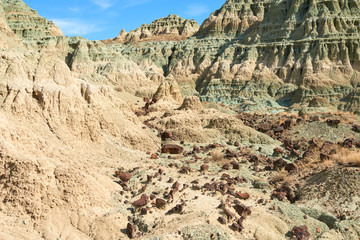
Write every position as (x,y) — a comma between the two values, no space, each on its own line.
(75,27)
(75,9)
(133,3)
(195,10)
(104,4)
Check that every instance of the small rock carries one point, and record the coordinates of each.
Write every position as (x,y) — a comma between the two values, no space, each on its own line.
(236,165)
(242,210)
(143,211)
(141,202)
(160,203)
(278,152)
(300,233)
(204,167)
(154,156)
(185,170)
(243,196)
(222,220)
(356,128)
(226,166)
(130,230)
(279,130)
(333,123)
(167,135)
(177,209)
(236,227)
(124,177)
(291,167)
(172,149)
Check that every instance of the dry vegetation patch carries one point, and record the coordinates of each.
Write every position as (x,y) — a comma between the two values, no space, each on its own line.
(346,156)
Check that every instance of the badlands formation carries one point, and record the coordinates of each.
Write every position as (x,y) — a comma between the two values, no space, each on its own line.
(245,127)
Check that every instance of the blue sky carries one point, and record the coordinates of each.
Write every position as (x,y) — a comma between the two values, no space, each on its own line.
(103,19)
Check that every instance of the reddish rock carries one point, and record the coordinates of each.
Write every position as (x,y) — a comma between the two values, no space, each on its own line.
(236,144)
(327,147)
(230,153)
(141,202)
(289,123)
(349,143)
(130,230)
(288,143)
(185,170)
(225,176)
(333,122)
(212,146)
(177,209)
(160,203)
(356,128)
(149,178)
(279,130)
(284,191)
(279,195)
(235,165)
(278,152)
(196,149)
(172,149)
(154,156)
(175,187)
(226,166)
(210,186)
(222,220)
(143,211)
(240,222)
(242,196)
(264,127)
(204,167)
(300,233)
(291,167)
(124,177)
(254,158)
(167,135)
(279,164)
(242,210)
(236,227)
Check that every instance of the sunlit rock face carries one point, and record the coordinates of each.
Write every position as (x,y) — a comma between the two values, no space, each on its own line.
(170,28)
(26,22)
(283,52)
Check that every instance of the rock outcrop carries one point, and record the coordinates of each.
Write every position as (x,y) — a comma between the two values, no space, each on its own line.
(234,18)
(170,28)
(26,22)
(271,54)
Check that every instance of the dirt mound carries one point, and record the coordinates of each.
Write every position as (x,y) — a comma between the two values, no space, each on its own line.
(191,103)
(332,187)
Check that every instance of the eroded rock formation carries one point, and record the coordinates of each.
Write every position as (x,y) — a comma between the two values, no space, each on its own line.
(170,28)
